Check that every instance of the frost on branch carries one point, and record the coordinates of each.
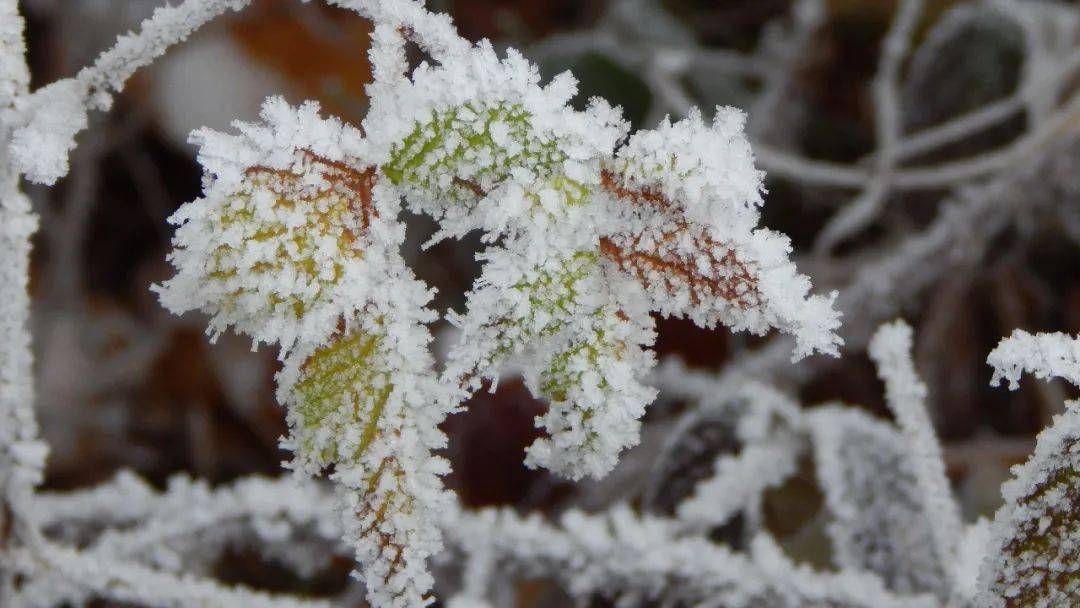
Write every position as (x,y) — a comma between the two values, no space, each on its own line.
(766,428)
(905,393)
(296,242)
(642,560)
(1033,557)
(50,118)
(478,143)
(1043,355)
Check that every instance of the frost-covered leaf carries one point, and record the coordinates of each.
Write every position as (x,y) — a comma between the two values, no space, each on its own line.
(1032,559)
(477,142)
(592,381)
(686,196)
(879,520)
(296,241)
(580,254)
(276,246)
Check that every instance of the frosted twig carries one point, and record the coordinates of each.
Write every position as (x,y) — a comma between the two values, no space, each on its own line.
(272,508)
(644,558)
(823,173)
(866,207)
(739,481)
(1043,355)
(783,51)
(82,576)
(956,172)
(56,113)
(22,454)
(905,393)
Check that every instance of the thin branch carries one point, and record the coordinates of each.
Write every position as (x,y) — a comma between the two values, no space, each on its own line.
(84,575)
(22,455)
(866,207)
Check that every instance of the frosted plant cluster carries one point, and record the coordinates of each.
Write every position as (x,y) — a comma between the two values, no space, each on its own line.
(588,231)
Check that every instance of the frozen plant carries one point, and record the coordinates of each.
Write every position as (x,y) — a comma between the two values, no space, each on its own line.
(588,231)
(296,241)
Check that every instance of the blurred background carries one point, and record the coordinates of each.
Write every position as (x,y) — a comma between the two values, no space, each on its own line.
(967,231)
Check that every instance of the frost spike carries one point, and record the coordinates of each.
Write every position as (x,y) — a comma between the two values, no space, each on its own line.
(905,393)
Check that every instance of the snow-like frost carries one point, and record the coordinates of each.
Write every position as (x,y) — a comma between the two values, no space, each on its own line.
(296,241)
(879,516)
(905,393)
(242,252)
(1032,556)
(1043,355)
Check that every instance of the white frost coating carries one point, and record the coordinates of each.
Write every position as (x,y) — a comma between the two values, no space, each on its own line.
(905,393)
(644,559)
(142,512)
(271,508)
(703,193)
(478,75)
(22,453)
(739,481)
(40,149)
(188,524)
(296,241)
(707,169)
(1032,555)
(592,378)
(56,113)
(14,74)
(767,425)
(969,558)
(533,153)
(1043,355)
(585,344)
(880,522)
(91,576)
(215,235)
(433,32)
